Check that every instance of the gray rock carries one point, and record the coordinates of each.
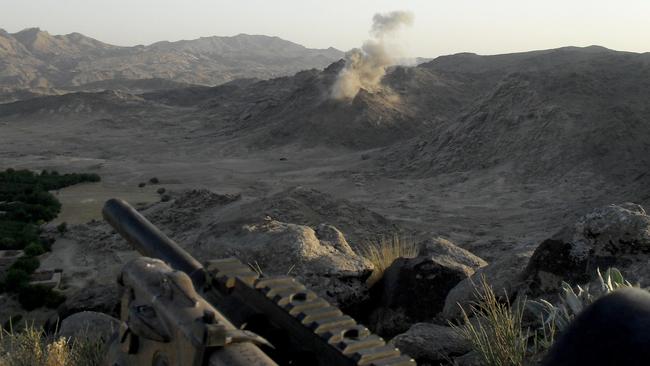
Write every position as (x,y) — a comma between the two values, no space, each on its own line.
(439,247)
(89,325)
(330,235)
(326,264)
(611,236)
(416,287)
(431,343)
(505,276)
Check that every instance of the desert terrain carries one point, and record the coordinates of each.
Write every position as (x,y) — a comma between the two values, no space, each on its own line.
(493,153)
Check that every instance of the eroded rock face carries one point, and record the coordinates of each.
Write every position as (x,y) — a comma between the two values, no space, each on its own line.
(431,343)
(611,236)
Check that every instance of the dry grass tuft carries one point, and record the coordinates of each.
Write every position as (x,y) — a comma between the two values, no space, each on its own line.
(383,253)
(495,331)
(31,346)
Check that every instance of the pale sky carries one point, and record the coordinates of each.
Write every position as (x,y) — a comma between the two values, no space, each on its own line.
(441,27)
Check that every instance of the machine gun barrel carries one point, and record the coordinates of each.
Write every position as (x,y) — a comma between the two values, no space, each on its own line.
(304,328)
(150,241)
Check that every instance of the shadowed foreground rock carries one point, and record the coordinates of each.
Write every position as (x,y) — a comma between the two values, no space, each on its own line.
(431,343)
(413,290)
(612,236)
(89,325)
(612,331)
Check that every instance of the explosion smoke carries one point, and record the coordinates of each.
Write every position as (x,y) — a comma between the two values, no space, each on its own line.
(365,67)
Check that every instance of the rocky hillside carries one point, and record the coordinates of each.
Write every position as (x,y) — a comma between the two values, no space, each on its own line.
(33,60)
(547,114)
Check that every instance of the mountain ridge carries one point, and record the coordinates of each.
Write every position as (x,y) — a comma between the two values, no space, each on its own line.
(36,62)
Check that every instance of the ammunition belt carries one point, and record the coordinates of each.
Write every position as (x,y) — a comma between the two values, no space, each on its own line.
(314,323)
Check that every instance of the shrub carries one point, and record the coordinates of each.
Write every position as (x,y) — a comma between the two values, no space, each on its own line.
(15,279)
(34,249)
(62,227)
(496,331)
(383,253)
(27,264)
(165,198)
(160,190)
(140,185)
(154,180)
(35,296)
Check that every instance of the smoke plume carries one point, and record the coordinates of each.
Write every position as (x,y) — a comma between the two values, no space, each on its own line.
(365,67)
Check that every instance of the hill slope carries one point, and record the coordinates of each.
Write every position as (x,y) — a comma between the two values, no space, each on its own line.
(545,115)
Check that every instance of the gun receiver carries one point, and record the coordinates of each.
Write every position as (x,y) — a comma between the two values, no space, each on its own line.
(303,328)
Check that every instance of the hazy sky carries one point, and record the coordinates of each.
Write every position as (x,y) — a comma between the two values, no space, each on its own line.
(441,27)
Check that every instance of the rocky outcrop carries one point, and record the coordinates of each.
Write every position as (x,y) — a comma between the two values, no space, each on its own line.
(611,236)
(431,343)
(328,266)
(505,276)
(414,289)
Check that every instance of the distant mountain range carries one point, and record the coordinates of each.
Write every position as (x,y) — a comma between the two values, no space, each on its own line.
(33,62)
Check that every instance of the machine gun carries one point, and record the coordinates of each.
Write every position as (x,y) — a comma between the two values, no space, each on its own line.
(175,311)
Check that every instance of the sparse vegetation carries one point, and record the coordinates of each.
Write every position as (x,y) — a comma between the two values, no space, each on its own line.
(34,296)
(25,204)
(496,329)
(556,317)
(62,228)
(34,249)
(383,253)
(31,346)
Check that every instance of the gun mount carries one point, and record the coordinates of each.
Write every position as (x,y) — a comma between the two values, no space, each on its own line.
(227,295)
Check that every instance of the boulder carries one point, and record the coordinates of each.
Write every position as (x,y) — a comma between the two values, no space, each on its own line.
(321,259)
(431,343)
(416,288)
(439,247)
(611,236)
(505,276)
(89,325)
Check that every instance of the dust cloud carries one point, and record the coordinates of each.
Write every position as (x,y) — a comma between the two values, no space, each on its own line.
(366,66)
